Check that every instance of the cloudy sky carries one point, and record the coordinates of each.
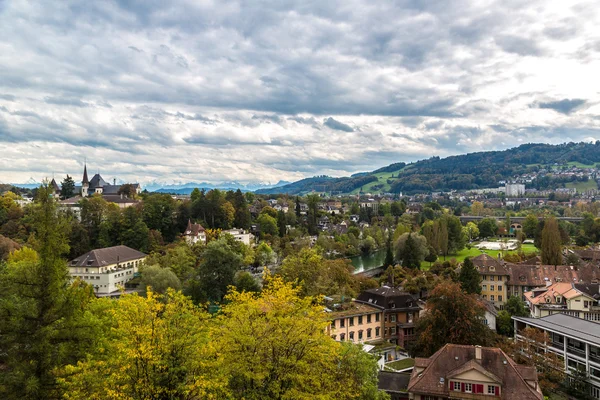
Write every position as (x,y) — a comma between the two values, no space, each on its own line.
(256,90)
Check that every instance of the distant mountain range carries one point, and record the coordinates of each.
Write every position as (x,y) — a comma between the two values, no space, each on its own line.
(469,171)
(181,188)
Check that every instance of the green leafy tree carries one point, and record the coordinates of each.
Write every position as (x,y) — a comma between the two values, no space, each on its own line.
(127,189)
(551,243)
(469,278)
(267,224)
(530,225)
(452,316)
(158,280)
(411,249)
(42,316)
(245,282)
(487,227)
(67,188)
(216,272)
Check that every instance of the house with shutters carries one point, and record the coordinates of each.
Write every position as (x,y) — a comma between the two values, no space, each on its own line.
(494,278)
(472,372)
(356,322)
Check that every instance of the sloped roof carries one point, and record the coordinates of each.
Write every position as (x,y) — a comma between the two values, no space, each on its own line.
(54,185)
(588,254)
(85,176)
(488,265)
(97,181)
(535,275)
(567,325)
(106,256)
(393,382)
(389,298)
(495,362)
(193,229)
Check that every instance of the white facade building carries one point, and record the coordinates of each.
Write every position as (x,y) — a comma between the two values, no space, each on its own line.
(514,189)
(108,269)
(241,235)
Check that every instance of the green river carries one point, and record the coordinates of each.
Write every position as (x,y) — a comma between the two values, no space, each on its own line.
(363,263)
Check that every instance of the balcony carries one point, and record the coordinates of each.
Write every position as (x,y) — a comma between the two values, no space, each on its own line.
(575,351)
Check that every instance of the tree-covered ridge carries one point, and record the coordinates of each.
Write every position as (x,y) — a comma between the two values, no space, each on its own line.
(468,171)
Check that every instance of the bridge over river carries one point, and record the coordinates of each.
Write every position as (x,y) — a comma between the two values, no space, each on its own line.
(472,218)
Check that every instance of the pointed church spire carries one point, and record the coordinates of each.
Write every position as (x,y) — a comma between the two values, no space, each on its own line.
(85,177)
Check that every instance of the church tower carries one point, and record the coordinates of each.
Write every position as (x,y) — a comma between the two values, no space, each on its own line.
(85,183)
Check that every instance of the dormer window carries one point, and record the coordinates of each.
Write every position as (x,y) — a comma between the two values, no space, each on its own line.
(492,268)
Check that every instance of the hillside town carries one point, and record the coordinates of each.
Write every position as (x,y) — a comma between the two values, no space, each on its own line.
(523,272)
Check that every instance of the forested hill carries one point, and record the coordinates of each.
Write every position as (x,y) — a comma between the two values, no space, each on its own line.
(469,171)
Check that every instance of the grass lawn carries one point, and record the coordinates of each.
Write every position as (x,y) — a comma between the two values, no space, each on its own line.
(474,252)
(401,364)
(382,180)
(579,165)
(582,186)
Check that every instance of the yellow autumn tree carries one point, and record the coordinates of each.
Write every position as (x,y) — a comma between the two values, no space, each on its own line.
(153,347)
(274,346)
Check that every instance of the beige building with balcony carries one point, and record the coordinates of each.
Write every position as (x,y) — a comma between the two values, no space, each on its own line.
(358,323)
(472,372)
(107,269)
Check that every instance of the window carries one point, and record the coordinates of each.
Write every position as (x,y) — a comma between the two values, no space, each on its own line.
(393,330)
(351,336)
(369,333)
(485,277)
(492,297)
(342,323)
(468,388)
(385,332)
(393,318)
(360,335)
(334,337)
(491,389)
(499,298)
(351,321)
(342,337)
(585,304)
(456,386)
(492,278)
(369,319)
(484,287)
(499,288)
(360,319)
(492,288)
(376,317)
(377,330)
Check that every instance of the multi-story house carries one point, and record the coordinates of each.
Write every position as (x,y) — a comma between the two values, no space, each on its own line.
(400,312)
(577,299)
(107,269)
(357,323)
(472,372)
(575,341)
(194,233)
(494,276)
(526,277)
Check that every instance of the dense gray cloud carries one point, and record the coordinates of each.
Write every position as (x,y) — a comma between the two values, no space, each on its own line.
(178,90)
(565,106)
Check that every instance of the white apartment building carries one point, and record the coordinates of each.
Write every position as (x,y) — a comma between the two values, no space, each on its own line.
(108,269)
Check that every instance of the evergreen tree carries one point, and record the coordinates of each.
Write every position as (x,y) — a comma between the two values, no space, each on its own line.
(298,206)
(410,253)
(41,314)
(551,243)
(389,254)
(67,188)
(469,278)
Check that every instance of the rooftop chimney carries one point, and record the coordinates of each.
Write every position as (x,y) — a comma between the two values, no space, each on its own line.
(478,353)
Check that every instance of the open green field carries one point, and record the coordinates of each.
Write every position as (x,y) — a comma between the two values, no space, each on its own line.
(382,180)
(582,186)
(579,165)
(473,252)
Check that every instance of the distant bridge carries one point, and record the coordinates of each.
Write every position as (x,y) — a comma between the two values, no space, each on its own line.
(473,218)
(372,273)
